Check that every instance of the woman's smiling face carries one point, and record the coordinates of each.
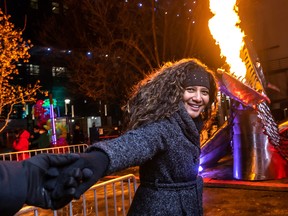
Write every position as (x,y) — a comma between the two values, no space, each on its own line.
(195,99)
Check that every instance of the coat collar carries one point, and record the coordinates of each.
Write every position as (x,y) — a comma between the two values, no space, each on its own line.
(189,126)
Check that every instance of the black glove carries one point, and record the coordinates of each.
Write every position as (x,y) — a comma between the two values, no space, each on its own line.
(81,175)
(37,176)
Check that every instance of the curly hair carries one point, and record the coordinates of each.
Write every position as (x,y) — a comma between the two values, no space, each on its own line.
(158,95)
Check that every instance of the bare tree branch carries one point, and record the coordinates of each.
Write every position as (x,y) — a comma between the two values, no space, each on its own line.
(127,41)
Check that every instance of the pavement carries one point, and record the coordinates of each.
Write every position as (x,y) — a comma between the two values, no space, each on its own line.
(221,175)
(224,196)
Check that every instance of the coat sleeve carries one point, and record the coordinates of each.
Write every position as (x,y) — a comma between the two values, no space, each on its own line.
(134,147)
(13,184)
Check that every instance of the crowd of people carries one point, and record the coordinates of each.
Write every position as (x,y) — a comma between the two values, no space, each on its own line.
(39,138)
(25,140)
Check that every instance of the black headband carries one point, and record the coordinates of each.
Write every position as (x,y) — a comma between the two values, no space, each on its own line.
(198,78)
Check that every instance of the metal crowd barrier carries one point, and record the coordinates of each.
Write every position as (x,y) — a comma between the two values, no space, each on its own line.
(15,156)
(111,197)
(28,209)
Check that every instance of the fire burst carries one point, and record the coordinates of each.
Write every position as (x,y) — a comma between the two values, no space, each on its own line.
(224,27)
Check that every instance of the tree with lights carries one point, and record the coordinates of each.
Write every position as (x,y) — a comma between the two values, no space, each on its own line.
(126,39)
(12,50)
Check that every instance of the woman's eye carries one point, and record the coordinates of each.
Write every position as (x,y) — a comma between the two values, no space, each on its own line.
(190,89)
(205,92)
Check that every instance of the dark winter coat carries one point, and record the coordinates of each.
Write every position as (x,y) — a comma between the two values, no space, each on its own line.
(167,152)
(43,141)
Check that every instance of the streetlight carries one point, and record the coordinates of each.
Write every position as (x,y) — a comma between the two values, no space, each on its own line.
(67,101)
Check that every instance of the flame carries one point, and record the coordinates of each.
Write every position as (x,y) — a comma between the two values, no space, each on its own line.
(228,35)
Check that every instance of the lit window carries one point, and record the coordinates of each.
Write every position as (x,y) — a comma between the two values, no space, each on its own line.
(34,4)
(58,71)
(34,70)
(55,7)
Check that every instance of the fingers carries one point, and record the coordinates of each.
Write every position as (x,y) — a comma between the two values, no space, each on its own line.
(70,180)
(86,183)
(87,173)
(73,182)
(62,190)
(50,184)
(76,173)
(61,182)
(70,191)
(65,184)
(62,159)
(52,179)
(53,172)
(82,188)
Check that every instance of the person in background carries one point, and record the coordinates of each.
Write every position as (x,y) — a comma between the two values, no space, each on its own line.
(34,136)
(21,143)
(78,135)
(22,182)
(166,112)
(43,140)
(94,133)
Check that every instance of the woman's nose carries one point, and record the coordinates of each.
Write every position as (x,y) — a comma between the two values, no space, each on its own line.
(197,96)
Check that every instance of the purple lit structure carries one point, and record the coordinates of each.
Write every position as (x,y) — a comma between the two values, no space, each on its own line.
(257,148)
(52,118)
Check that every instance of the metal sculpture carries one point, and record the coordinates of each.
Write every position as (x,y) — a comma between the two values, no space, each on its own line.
(258,151)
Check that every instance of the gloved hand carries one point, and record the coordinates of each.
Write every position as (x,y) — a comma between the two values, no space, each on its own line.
(80,175)
(36,170)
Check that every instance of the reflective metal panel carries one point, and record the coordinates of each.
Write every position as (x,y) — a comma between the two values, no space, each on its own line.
(253,156)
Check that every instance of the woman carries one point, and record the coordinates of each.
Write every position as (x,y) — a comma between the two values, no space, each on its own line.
(165,113)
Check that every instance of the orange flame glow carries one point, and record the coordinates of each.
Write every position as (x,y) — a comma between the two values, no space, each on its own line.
(228,35)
